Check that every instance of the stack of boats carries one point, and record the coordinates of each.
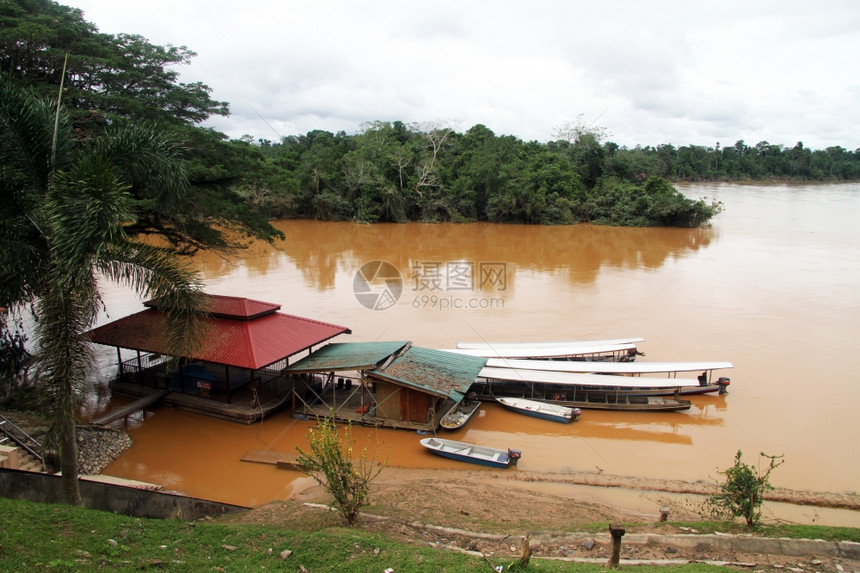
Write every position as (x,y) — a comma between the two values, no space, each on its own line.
(555,380)
(597,374)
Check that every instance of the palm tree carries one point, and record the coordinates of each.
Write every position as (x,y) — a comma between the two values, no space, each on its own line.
(65,205)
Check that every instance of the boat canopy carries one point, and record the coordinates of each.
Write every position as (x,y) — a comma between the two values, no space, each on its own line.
(544,352)
(571,343)
(583,366)
(579,379)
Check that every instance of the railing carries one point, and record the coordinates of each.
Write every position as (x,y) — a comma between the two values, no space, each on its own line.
(25,441)
(262,385)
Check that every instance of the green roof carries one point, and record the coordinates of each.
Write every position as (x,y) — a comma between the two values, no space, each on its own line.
(433,371)
(340,356)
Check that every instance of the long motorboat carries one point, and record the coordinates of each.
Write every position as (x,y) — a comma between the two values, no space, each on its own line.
(472,453)
(577,390)
(542,410)
(575,351)
(704,383)
(551,344)
(461,413)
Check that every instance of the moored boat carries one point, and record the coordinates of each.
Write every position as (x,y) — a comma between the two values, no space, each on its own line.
(542,410)
(461,413)
(596,352)
(703,384)
(575,390)
(472,453)
(550,344)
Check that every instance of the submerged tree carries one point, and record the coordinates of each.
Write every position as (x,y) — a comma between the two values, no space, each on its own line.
(333,463)
(62,229)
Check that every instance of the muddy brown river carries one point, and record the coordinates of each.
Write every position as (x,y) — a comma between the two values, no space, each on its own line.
(773,287)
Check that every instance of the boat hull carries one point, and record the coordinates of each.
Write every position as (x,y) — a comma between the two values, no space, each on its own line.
(471,453)
(628,402)
(579,397)
(540,410)
(460,414)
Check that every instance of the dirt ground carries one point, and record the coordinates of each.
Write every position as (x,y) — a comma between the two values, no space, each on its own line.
(489,512)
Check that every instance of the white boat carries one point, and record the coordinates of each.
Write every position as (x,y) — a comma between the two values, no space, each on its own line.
(631,368)
(542,410)
(577,351)
(472,453)
(704,383)
(550,344)
(578,390)
(582,379)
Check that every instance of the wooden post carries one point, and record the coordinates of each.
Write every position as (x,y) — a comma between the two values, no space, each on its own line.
(139,366)
(121,376)
(664,513)
(617,532)
(525,550)
(227,378)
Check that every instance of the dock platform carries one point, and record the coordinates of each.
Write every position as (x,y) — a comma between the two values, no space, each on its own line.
(243,409)
(128,409)
(281,460)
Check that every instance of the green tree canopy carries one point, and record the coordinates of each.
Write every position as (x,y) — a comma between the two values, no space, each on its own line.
(107,76)
(63,229)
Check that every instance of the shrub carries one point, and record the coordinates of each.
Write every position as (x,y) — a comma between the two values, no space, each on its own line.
(332,464)
(742,492)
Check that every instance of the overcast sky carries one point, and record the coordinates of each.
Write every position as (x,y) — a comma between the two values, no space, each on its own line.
(649,72)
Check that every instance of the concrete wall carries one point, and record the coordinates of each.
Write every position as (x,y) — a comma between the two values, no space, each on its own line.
(45,488)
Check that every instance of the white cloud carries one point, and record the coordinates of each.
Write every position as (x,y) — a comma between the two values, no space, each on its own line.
(651,72)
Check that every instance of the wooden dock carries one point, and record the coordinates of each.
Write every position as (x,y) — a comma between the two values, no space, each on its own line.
(281,460)
(124,411)
(243,409)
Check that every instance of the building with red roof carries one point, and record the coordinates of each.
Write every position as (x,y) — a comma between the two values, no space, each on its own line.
(247,344)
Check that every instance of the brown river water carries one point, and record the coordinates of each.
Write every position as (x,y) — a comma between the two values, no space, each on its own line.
(773,286)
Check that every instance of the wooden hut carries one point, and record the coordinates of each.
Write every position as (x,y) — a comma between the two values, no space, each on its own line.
(390,384)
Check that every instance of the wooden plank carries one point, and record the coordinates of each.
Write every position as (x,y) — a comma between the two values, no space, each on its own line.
(138,404)
(281,460)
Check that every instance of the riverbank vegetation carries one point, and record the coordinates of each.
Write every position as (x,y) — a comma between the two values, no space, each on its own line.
(742,492)
(45,537)
(343,470)
(388,171)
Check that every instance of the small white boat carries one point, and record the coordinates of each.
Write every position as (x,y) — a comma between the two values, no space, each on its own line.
(472,453)
(542,410)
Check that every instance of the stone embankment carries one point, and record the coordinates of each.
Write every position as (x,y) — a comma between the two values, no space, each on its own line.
(98,447)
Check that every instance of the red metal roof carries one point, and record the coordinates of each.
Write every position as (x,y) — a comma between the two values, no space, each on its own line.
(253,337)
(234,307)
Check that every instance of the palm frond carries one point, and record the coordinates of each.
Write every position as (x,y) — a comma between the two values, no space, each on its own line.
(155,273)
(27,133)
(149,160)
(87,209)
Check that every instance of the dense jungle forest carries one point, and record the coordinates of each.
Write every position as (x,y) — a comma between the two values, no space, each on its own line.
(387,170)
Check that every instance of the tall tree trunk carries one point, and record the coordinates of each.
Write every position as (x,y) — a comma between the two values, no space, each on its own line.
(68,443)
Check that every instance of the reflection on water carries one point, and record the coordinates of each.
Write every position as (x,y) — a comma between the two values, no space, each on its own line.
(322,250)
(773,288)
